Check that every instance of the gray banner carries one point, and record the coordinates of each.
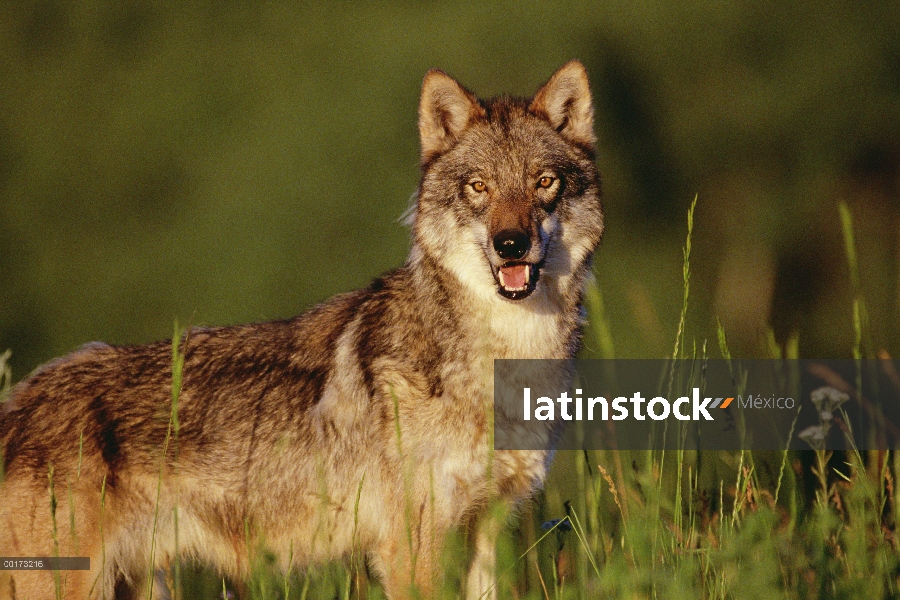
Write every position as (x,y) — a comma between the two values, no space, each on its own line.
(45,563)
(634,404)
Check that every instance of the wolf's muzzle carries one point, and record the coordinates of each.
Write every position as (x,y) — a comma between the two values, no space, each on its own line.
(516,278)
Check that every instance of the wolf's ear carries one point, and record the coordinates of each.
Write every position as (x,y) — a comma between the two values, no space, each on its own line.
(445,110)
(566,102)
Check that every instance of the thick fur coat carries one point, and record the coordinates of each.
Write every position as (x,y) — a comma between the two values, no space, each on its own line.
(363,426)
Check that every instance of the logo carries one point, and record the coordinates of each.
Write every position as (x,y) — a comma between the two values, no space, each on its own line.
(658,408)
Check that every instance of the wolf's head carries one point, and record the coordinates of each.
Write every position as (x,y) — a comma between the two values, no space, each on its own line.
(509,203)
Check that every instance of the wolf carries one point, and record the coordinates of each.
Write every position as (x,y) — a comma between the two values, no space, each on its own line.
(362,427)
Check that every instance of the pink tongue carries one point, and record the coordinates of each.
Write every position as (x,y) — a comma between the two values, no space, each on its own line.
(514,276)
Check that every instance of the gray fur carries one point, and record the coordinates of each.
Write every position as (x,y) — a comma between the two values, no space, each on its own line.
(283,425)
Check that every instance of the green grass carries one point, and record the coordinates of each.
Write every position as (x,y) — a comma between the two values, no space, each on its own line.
(651,524)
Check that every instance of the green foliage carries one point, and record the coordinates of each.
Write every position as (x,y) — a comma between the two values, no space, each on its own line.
(242,161)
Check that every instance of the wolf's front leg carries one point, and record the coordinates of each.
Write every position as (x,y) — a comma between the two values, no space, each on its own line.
(481,583)
(408,563)
(404,577)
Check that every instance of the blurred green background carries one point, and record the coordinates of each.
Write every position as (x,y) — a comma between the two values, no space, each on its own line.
(232,161)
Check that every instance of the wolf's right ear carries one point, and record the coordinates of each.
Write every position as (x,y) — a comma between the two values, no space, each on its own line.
(445,110)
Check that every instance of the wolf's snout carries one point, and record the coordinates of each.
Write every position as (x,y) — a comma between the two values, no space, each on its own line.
(516,279)
(512,244)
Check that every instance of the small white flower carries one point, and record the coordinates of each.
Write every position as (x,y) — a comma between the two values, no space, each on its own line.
(813,432)
(813,435)
(827,400)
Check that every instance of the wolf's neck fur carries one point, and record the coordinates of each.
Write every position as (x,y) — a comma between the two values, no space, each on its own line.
(545,325)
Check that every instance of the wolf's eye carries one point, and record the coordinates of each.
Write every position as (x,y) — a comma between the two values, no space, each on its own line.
(545,182)
(478,186)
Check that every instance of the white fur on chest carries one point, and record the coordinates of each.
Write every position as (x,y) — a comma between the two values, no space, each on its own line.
(520,331)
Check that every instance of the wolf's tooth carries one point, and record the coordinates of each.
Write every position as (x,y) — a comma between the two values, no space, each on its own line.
(527,274)
(502,281)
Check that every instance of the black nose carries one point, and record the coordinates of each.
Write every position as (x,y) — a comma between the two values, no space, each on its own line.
(512,244)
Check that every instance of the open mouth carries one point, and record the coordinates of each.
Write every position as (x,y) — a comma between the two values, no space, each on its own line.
(516,279)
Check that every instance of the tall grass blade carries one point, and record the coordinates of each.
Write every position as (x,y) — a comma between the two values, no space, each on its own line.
(678,350)
(57,583)
(171,430)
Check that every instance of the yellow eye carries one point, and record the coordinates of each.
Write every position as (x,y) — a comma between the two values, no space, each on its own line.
(479,186)
(545,182)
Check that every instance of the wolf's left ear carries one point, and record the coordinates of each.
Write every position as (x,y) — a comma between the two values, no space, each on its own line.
(566,102)
(445,110)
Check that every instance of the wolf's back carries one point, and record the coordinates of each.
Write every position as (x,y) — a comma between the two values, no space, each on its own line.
(118,401)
